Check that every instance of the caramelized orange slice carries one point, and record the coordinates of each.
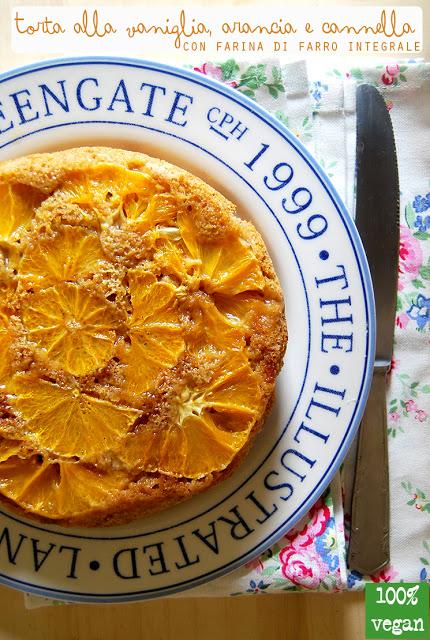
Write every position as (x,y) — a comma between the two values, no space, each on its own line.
(175,261)
(17,205)
(228,266)
(212,424)
(72,326)
(70,253)
(146,213)
(6,339)
(155,331)
(67,422)
(211,328)
(105,189)
(9,448)
(57,490)
(249,311)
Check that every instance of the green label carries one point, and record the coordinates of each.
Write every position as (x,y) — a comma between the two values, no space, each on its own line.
(398,610)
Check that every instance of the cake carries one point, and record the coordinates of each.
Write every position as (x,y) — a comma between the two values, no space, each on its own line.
(141,331)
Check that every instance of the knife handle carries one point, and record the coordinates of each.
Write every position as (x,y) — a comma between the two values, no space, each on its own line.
(369,542)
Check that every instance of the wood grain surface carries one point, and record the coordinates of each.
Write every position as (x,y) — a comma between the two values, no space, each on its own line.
(294,616)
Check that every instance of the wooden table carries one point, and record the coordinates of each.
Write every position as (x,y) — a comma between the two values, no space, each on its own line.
(294,616)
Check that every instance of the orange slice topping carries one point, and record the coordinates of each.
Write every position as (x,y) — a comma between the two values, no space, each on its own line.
(57,490)
(228,266)
(144,213)
(6,339)
(9,448)
(73,327)
(103,191)
(68,422)
(155,331)
(211,329)
(70,253)
(212,424)
(17,205)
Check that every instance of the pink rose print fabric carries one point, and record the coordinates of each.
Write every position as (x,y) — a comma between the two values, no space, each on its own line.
(303,566)
(410,257)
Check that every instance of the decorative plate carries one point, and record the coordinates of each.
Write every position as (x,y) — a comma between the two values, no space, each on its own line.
(249,156)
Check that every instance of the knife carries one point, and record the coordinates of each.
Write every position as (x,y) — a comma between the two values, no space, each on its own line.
(377,221)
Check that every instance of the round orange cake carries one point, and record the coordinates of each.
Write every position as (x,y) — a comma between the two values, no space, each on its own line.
(141,333)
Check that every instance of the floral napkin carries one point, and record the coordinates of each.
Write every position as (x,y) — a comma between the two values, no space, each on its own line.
(318,104)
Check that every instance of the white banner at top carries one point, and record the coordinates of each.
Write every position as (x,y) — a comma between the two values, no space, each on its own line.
(169,33)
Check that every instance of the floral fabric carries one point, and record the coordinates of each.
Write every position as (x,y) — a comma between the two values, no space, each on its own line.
(318,105)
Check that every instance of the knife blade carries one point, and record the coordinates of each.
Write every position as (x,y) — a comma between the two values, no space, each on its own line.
(377,221)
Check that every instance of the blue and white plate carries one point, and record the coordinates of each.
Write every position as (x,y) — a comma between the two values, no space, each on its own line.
(249,156)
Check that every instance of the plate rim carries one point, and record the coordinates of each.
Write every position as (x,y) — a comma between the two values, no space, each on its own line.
(361,261)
